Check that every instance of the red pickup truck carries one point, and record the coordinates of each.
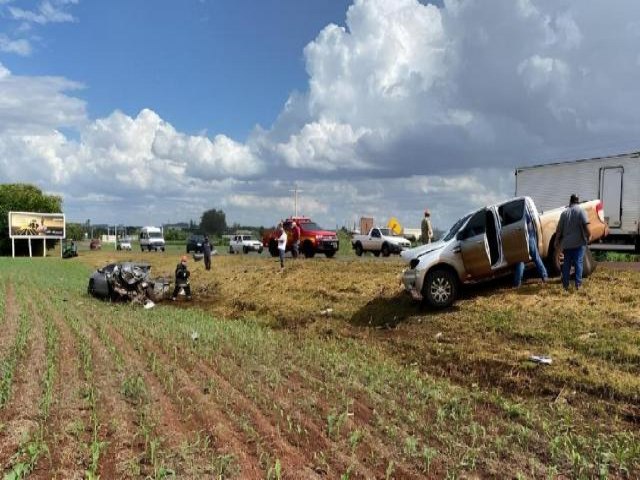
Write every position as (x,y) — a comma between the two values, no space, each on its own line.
(313,239)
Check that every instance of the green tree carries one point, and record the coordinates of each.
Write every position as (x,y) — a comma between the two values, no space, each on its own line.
(213,222)
(20,197)
(75,231)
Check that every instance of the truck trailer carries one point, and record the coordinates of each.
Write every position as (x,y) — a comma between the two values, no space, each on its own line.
(615,180)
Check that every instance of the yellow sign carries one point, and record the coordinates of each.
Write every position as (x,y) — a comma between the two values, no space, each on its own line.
(36,225)
(395,226)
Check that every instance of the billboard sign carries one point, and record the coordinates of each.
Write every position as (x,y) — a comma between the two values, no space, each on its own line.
(36,225)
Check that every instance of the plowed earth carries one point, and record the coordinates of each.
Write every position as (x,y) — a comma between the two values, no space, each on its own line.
(325,371)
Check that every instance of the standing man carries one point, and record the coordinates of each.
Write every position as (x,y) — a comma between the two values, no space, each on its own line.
(572,235)
(533,253)
(427,231)
(282,245)
(182,279)
(295,235)
(206,251)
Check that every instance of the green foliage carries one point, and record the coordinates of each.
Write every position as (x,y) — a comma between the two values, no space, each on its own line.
(20,197)
(75,231)
(213,222)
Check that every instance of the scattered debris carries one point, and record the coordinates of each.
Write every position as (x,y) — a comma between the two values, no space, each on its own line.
(587,336)
(438,336)
(541,359)
(149,304)
(326,312)
(195,335)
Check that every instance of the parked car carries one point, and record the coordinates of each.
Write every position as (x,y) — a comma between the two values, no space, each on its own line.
(244,244)
(123,243)
(95,244)
(127,281)
(379,240)
(313,239)
(488,243)
(151,238)
(194,243)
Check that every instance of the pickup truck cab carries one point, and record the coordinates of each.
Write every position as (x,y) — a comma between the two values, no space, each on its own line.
(488,243)
(379,240)
(244,244)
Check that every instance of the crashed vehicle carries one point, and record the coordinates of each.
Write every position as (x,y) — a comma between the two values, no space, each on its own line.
(488,243)
(127,281)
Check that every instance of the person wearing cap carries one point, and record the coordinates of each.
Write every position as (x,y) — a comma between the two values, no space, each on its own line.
(427,231)
(182,279)
(572,235)
(295,236)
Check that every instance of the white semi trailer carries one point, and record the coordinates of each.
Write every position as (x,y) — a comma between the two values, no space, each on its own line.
(615,180)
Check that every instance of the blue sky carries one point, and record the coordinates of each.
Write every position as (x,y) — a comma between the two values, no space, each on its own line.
(238,59)
(144,112)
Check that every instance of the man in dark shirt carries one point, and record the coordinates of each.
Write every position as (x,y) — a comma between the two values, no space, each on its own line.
(295,235)
(182,279)
(206,252)
(572,235)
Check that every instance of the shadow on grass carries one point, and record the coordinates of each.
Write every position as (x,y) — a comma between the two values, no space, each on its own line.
(388,312)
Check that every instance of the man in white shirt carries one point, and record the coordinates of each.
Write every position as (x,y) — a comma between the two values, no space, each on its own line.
(282,245)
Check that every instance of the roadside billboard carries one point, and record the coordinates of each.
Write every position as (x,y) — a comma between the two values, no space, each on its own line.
(36,225)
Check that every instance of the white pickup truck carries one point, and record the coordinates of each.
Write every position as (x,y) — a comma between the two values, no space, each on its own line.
(244,244)
(379,240)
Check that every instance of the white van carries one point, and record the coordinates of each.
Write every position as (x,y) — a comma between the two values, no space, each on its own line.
(151,238)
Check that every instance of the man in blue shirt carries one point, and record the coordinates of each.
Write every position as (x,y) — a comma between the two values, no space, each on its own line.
(572,235)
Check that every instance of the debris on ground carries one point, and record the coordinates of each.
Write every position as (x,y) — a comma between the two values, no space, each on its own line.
(326,312)
(541,359)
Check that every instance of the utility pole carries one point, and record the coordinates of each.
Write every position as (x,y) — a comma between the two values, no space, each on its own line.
(295,199)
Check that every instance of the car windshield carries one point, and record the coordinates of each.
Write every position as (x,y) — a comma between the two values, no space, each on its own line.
(456,226)
(311,226)
(247,237)
(387,232)
(197,238)
(155,235)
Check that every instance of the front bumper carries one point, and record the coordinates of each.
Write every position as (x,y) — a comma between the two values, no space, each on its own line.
(409,281)
(327,245)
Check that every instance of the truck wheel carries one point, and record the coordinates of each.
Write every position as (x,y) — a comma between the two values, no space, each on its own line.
(259,250)
(141,248)
(589,264)
(245,249)
(273,248)
(440,288)
(90,288)
(308,250)
(359,250)
(330,253)
(230,250)
(385,250)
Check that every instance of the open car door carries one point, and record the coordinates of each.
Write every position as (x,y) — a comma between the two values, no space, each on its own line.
(515,241)
(474,246)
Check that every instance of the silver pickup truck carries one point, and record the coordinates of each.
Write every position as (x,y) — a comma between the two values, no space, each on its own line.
(488,243)
(379,240)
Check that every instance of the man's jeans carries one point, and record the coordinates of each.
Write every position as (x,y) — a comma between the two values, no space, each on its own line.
(535,256)
(572,256)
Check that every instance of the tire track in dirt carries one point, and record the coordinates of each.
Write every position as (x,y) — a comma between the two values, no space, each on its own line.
(20,415)
(68,431)
(175,427)
(295,456)
(10,321)
(225,427)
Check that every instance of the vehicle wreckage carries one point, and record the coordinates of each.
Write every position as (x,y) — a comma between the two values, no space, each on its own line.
(128,281)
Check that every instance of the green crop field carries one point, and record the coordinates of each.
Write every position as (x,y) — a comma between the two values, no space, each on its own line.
(325,371)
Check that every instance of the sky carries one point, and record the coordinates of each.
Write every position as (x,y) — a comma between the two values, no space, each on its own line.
(153,112)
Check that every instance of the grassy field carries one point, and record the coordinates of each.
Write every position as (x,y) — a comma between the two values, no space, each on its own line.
(325,371)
